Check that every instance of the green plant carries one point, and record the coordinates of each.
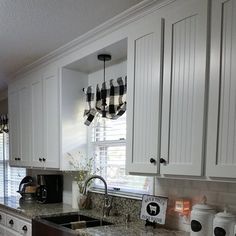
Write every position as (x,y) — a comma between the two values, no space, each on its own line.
(82,168)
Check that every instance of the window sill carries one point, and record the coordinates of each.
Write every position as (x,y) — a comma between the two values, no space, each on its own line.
(135,196)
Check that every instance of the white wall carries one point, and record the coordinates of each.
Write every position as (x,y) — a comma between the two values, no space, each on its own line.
(112,72)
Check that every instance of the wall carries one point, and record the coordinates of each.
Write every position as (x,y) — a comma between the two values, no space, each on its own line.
(3,106)
(218,194)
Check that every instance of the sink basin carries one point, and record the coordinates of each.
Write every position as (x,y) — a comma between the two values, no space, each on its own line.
(67,218)
(75,221)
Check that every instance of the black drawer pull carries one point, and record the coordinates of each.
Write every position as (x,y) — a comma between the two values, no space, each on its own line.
(24,228)
(40,159)
(11,222)
(0,217)
(44,159)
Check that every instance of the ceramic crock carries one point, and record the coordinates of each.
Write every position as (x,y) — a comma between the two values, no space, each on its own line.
(201,219)
(224,224)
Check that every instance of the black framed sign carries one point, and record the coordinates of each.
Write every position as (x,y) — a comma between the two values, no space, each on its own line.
(154,209)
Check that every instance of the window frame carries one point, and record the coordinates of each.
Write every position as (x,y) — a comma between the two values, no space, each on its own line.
(123,192)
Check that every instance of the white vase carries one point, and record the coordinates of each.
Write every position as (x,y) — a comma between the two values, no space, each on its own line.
(75,195)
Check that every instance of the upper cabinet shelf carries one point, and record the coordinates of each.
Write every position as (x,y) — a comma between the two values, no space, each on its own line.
(90,63)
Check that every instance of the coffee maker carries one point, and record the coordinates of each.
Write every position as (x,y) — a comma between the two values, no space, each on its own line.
(50,188)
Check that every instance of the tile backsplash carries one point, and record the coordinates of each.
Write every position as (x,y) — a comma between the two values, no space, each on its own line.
(219,194)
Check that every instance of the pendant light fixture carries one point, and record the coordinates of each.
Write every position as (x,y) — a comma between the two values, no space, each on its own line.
(104,58)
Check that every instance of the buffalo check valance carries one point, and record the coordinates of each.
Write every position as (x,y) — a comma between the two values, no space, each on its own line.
(109,100)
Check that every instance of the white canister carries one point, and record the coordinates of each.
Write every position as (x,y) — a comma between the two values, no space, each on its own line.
(201,219)
(224,224)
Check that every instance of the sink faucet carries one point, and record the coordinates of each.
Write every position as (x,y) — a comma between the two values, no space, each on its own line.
(107,206)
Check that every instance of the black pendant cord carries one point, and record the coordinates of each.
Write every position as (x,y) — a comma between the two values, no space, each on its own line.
(104,58)
(104,97)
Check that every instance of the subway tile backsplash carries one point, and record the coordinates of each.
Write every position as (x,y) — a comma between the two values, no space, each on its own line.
(219,194)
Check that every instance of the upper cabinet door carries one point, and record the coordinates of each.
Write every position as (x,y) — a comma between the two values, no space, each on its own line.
(20,125)
(51,120)
(221,140)
(185,39)
(14,129)
(24,124)
(143,122)
(37,121)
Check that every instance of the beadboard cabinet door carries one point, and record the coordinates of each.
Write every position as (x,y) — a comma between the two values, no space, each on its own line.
(221,138)
(182,133)
(144,92)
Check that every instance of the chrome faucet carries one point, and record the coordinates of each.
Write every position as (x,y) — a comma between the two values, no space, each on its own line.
(107,206)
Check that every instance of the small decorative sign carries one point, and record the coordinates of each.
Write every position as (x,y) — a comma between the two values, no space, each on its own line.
(154,209)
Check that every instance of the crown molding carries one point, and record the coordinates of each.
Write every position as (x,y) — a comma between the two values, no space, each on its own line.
(130,15)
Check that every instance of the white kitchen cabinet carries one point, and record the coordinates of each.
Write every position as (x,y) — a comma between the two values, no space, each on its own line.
(45,119)
(182,97)
(34,121)
(184,82)
(14,127)
(38,153)
(47,131)
(20,124)
(221,136)
(143,96)
(51,126)
(13,225)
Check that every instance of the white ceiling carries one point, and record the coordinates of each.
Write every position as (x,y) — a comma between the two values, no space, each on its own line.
(30,29)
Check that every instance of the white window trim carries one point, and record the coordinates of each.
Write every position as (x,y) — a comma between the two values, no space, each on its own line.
(120,193)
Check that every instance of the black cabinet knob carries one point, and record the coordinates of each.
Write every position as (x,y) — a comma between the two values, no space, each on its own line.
(152,160)
(44,159)
(40,159)
(162,161)
(15,159)
(24,228)
(0,217)
(11,222)
(19,159)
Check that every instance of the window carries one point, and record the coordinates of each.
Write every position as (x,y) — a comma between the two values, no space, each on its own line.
(109,146)
(10,177)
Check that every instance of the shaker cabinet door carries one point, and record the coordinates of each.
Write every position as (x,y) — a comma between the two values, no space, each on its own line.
(182,133)
(37,121)
(14,127)
(144,56)
(51,121)
(221,138)
(20,125)
(24,125)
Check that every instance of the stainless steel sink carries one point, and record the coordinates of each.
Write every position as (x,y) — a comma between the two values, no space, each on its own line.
(64,225)
(76,221)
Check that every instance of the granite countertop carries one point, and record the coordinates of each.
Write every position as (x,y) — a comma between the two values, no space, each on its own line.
(34,209)
(120,228)
(130,229)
